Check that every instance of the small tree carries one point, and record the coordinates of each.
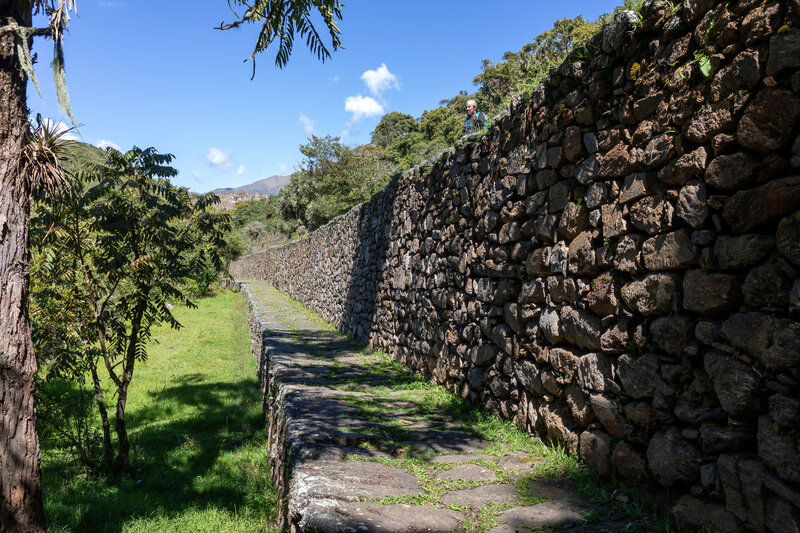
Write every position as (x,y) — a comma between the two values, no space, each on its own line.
(119,247)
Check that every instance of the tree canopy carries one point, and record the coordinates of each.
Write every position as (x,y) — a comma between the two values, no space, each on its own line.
(109,256)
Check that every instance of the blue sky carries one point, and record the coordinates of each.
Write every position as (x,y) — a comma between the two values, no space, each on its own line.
(157,73)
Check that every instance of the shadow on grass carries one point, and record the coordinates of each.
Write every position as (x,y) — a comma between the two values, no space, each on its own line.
(195,446)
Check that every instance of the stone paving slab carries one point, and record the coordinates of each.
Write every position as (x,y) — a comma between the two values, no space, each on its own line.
(341,438)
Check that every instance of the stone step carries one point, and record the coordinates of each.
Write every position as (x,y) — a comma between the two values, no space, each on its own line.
(350,453)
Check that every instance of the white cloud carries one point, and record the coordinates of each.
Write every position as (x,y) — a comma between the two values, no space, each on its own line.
(307,123)
(380,80)
(362,107)
(218,158)
(103,144)
(283,167)
(241,170)
(197,176)
(336,78)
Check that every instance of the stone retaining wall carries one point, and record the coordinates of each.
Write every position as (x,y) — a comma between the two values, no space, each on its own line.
(616,265)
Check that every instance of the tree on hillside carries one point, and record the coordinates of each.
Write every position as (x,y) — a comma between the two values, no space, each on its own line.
(331,179)
(391,126)
(110,254)
(525,69)
(20,471)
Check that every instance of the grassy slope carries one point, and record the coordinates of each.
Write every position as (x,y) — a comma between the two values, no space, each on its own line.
(198,443)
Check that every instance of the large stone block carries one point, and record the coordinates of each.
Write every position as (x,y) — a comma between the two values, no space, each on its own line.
(652,296)
(669,251)
(581,328)
(671,333)
(779,449)
(673,459)
(639,375)
(617,162)
(581,256)
(596,372)
(767,286)
(609,413)
(692,513)
(769,120)
(733,172)
(710,121)
(595,451)
(628,462)
(742,251)
(784,51)
(788,240)
(691,207)
(711,293)
(737,386)
(775,342)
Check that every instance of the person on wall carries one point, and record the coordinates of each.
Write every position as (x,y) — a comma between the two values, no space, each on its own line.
(476,121)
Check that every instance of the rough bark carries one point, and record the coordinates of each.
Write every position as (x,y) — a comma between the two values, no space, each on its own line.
(123,455)
(108,452)
(20,469)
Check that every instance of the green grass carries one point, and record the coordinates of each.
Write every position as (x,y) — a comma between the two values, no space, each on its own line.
(199,455)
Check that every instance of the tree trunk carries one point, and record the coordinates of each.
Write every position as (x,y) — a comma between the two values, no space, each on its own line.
(108,452)
(21,506)
(124,453)
(123,456)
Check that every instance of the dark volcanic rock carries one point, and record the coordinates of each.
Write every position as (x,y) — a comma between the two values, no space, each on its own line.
(692,513)
(768,203)
(743,251)
(671,334)
(672,250)
(788,239)
(673,459)
(581,328)
(732,172)
(712,120)
(639,375)
(784,51)
(779,449)
(768,121)
(738,387)
(652,296)
(711,294)
(595,450)
(773,341)
(767,286)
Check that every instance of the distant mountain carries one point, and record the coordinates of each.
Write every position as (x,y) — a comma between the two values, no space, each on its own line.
(270,185)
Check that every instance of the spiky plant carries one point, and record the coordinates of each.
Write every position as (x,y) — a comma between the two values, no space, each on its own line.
(46,150)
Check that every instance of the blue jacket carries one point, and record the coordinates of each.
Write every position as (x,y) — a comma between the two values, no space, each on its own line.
(475,123)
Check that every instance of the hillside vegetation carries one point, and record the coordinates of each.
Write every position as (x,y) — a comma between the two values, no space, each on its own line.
(333,177)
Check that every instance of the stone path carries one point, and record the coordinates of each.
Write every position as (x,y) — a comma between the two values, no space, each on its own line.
(358,444)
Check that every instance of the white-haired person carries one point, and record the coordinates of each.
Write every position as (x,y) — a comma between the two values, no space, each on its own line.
(475,121)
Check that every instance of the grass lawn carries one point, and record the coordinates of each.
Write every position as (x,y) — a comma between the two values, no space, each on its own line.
(198,444)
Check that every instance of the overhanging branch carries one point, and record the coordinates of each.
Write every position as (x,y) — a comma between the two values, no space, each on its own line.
(26,31)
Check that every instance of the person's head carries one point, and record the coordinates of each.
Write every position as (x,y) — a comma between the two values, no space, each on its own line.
(472,106)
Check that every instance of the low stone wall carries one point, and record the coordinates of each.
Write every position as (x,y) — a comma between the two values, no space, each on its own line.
(615,265)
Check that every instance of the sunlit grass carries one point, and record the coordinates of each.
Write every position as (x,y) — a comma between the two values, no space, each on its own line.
(197,434)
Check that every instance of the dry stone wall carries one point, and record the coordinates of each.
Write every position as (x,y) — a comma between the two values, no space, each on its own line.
(616,265)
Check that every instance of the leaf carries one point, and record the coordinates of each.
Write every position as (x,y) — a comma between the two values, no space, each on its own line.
(705,65)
